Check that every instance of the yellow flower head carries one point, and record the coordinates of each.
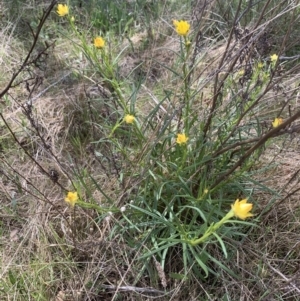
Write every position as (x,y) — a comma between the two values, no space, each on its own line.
(62,10)
(277,122)
(129,118)
(241,209)
(71,198)
(182,27)
(241,72)
(181,139)
(260,65)
(99,42)
(274,58)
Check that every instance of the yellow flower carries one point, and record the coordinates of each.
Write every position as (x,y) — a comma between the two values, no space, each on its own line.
(99,42)
(62,10)
(241,209)
(71,198)
(260,65)
(181,139)
(241,72)
(277,122)
(274,58)
(182,27)
(129,118)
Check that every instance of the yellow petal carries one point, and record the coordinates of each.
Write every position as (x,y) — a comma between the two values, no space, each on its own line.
(71,198)
(274,57)
(62,10)
(129,118)
(277,122)
(182,27)
(99,42)
(241,209)
(181,139)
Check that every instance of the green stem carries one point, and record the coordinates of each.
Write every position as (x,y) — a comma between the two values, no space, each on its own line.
(186,97)
(213,228)
(96,207)
(118,124)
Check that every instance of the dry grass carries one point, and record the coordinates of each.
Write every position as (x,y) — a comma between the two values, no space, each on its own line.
(50,252)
